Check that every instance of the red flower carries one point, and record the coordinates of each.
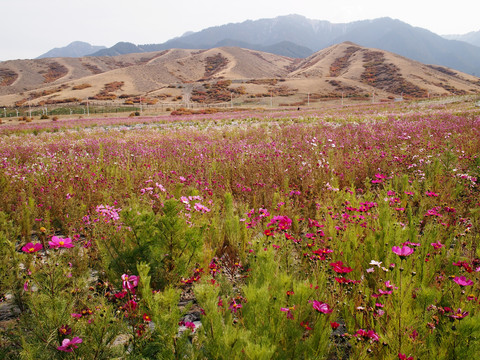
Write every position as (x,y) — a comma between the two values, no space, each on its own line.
(65,330)
(305,325)
(339,268)
(334,325)
(146,318)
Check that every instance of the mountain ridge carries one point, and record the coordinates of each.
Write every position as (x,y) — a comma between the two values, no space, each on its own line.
(74,49)
(382,33)
(213,75)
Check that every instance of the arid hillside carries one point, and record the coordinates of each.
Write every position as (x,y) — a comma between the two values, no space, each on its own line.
(218,74)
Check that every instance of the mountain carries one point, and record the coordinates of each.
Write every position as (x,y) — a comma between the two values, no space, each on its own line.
(120,48)
(74,49)
(214,75)
(313,35)
(471,37)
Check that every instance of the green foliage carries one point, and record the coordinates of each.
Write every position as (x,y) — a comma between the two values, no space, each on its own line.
(163,240)
(260,329)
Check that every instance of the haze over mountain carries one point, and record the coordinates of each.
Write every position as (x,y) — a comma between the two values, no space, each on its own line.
(74,49)
(216,75)
(298,36)
(472,37)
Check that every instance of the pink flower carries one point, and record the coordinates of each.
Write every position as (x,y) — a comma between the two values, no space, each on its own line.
(188,325)
(129,282)
(234,306)
(463,281)
(31,248)
(283,222)
(322,307)
(403,251)
(68,345)
(437,245)
(459,315)
(404,357)
(58,242)
(370,334)
(200,208)
(288,311)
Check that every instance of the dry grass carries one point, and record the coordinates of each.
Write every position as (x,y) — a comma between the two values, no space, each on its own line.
(153,73)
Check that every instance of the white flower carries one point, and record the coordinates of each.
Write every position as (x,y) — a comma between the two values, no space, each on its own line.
(376,263)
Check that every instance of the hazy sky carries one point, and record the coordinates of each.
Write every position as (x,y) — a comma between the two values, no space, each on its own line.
(29,28)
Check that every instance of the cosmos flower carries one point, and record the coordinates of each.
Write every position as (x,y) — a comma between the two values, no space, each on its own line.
(31,248)
(437,245)
(459,315)
(463,281)
(322,307)
(129,282)
(68,345)
(288,311)
(234,306)
(403,251)
(58,242)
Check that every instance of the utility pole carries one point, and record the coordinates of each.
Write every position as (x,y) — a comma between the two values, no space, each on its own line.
(5,112)
(231,99)
(88,109)
(308,99)
(271,98)
(140,104)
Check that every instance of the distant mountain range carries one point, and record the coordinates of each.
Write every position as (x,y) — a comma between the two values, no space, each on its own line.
(299,37)
(472,37)
(74,49)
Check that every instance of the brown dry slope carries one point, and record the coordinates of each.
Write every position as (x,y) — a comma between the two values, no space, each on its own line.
(350,68)
(345,68)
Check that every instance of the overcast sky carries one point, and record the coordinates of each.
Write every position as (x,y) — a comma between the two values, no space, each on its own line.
(29,28)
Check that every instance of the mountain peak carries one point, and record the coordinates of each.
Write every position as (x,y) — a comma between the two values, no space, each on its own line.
(74,49)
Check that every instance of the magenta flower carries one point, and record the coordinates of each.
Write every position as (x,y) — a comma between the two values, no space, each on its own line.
(463,281)
(68,345)
(283,222)
(459,315)
(58,242)
(288,311)
(339,268)
(322,307)
(403,251)
(31,248)
(370,334)
(234,306)
(188,324)
(437,245)
(65,330)
(129,282)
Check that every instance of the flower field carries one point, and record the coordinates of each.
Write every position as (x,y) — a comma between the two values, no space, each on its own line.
(350,233)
